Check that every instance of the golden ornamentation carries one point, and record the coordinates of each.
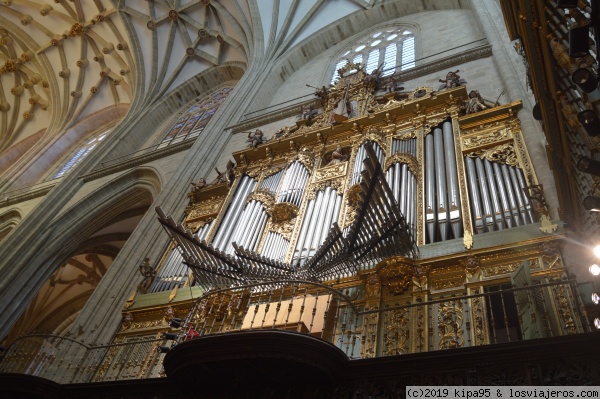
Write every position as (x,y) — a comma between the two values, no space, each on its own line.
(491,271)
(77,30)
(262,196)
(488,137)
(550,254)
(9,66)
(368,336)
(564,299)
(450,321)
(352,203)
(373,288)
(503,154)
(471,265)
(282,212)
(411,134)
(334,184)
(285,229)
(447,284)
(331,171)
(397,333)
(396,273)
(478,319)
(409,160)
(204,208)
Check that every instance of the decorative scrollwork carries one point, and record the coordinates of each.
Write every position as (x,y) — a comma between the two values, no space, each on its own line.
(262,196)
(334,184)
(450,321)
(282,212)
(331,171)
(504,154)
(413,164)
(396,273)
(486,138)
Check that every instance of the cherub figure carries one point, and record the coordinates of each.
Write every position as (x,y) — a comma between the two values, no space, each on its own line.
(199,185)
(230,171)
(337,156)
(255,139)
(475,103)
(452,80)
(149,274)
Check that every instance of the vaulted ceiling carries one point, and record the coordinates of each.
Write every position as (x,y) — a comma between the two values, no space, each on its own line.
(64,60)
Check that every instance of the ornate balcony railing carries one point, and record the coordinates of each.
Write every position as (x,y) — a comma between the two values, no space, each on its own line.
(360,321)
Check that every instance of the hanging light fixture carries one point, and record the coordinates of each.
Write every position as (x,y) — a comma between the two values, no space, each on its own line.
(589,121)
(594,270)
(585,80)
(589,165)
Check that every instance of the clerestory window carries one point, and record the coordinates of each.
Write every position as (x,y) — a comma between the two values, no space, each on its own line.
(81,153)
(393,49)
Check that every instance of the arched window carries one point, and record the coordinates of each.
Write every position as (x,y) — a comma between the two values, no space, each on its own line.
(392,48)
(81,153)
(191,122)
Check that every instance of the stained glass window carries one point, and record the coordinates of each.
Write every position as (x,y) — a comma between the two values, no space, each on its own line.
(393,49)
(192,121)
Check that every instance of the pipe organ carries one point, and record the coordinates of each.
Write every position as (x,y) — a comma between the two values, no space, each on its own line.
(452,177)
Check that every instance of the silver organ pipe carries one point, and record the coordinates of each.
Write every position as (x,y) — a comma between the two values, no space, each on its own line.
(476,208)
(361,154)
(270,183)
(494,195)
(490,211)
(275,246)
(502,193)
(293,184)
(522,185)
(430,214)
(223,237)
(321,213)
(174,272)
(497,195)
(440,180)
(403,184)
(512,200)
(519,194)
(405,146)
(452,179)
(243,227)
(442,198)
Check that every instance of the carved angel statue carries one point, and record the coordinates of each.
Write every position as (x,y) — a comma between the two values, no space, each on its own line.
(199,185)
(149,274)
(337,156)
(255,139)
(476,103)
(230,170)
(308,112)
(452,80)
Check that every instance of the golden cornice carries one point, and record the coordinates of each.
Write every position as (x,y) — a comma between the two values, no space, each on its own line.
(489,116)
(403,112)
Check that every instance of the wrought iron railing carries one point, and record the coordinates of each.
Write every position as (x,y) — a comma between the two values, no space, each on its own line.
(361,322)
